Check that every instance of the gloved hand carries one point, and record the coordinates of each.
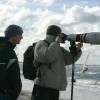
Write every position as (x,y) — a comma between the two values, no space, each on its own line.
(61,38)
(74,48)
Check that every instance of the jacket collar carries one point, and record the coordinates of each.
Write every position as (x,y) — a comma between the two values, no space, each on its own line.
(50,38)
(10,45)
(5,44)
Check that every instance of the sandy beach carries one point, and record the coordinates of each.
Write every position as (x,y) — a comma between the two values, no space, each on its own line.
(79,93)
(25,95)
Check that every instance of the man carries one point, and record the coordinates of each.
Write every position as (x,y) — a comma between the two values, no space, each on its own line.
(53,59)
(10,85)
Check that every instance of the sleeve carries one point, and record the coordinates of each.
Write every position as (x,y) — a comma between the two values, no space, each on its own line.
(69,58)
(14,79)
(44,53)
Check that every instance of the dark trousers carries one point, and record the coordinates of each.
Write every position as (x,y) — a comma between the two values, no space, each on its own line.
(42,93)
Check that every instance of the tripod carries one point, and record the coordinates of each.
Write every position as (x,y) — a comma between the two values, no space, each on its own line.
(73,52)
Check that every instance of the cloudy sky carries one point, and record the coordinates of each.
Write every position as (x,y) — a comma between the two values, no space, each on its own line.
(74,16)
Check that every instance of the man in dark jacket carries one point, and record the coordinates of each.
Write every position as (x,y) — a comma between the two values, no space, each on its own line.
(10,82)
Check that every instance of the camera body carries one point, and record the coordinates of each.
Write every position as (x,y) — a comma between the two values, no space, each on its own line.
(92,38)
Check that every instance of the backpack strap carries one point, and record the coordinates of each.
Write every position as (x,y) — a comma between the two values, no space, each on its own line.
(46,42)
(48,45)
(33,45)
(39,63)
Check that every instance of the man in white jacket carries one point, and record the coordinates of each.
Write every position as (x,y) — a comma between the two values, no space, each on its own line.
(53,60)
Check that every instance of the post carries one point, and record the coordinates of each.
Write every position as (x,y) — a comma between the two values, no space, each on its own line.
(73,52)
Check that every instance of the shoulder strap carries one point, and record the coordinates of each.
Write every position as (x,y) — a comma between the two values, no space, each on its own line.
(33,46)
(48,45)
(46,42)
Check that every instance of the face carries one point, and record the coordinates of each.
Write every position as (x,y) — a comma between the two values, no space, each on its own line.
(16,39)
(61,38)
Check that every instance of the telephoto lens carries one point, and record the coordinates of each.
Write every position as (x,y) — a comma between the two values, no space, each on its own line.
(92,38)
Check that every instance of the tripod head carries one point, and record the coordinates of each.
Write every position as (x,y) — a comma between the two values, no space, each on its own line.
(72,48)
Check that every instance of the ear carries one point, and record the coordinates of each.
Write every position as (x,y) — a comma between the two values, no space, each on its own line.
(13,40)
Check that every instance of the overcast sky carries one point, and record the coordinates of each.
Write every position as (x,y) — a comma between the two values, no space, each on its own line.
(34,16)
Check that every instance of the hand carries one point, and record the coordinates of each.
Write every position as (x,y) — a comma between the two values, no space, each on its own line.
(79,45)
(61,38)
(58,39)
(75,48)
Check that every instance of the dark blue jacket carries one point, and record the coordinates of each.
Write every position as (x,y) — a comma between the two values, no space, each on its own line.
(12,84)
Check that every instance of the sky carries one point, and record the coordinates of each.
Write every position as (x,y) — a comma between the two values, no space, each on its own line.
(34,16)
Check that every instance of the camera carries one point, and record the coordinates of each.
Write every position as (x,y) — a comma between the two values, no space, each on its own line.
(92,37)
